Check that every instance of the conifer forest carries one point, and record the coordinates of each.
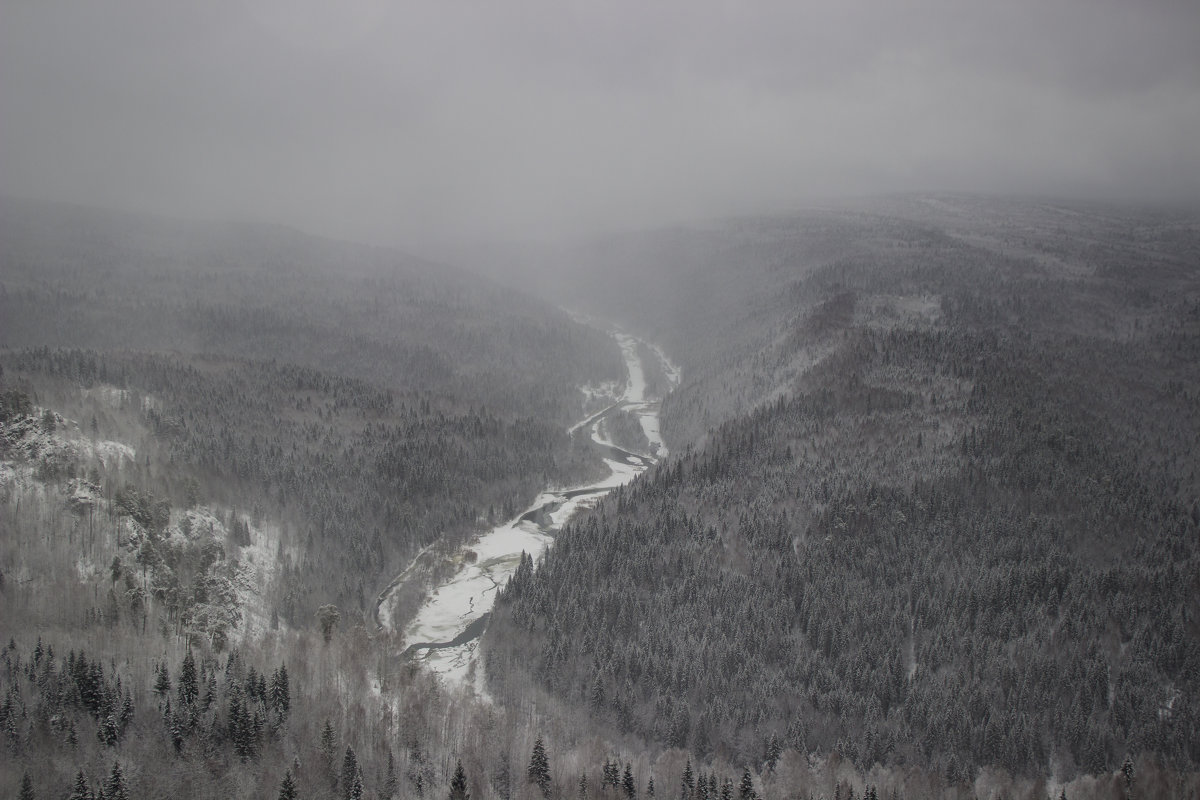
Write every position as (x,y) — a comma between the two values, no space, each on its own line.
(600,400)
(926,524)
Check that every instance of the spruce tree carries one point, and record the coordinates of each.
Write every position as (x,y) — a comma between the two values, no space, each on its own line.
(596,696)
(107,730)
(650,787)
(746,789)
(188,687)
(287,787)
(176,729)
(26,781)
(627,783)
(611,774)
(349,770)
(114,787)
(162,681)
(281,693)
(329,752)
(774,751)
(583,786)
(687,782)
(539,767)
(458,784)
(80,789)
(126,713)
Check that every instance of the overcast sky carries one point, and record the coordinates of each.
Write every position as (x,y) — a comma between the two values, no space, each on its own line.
(409,122)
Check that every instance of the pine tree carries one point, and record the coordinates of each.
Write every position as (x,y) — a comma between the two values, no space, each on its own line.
(256,732)
(458,784)
(583,786)
(611,774)
(774,751)
(539,767)
(627,783)
(349,770)
(746,789)
(328,752)
(287,787)
(114,787)
(687,782)
(162,681)
(356,786)
(281,693)
(727,790)
(80,790)
(26,781)
(107,730)
(596,696)
(241,728)
(126,715)
(650,787)
(188,686)
(210,693)
(176,728)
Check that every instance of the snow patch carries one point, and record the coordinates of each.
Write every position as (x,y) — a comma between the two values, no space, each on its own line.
(113,454)
(257,563)
(635,386)
(257,572)
(111,396)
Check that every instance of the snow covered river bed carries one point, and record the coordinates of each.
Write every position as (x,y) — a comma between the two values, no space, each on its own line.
(444,633)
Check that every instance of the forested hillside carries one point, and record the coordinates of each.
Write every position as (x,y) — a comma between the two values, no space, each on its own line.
(79,277)
(373,402)
(217,444)
(940,507)
(930,525)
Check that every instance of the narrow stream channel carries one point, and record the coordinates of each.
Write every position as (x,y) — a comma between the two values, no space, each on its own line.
(444,633)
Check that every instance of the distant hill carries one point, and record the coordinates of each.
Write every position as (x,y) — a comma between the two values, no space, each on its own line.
(935,496)
(79,277)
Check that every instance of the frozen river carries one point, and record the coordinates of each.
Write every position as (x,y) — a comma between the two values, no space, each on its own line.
(444,633)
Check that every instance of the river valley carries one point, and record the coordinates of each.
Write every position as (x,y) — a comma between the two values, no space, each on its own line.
(444,633)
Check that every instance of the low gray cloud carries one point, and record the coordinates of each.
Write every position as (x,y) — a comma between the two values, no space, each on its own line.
(415,122)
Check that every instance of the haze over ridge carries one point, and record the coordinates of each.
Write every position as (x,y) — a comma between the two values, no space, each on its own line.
(422,122)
